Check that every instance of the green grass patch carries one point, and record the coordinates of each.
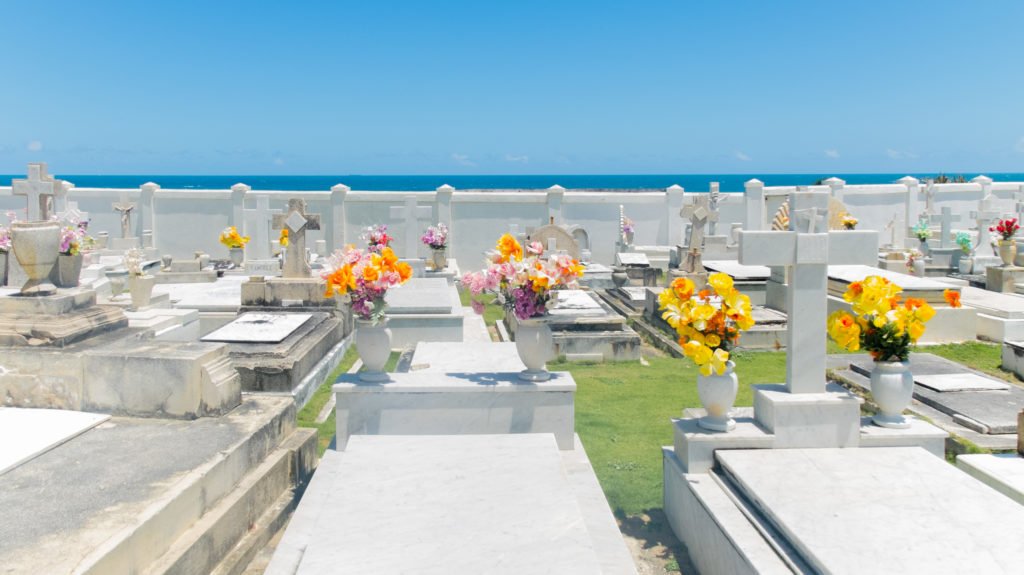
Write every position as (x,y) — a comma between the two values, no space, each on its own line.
(623,412)
(307,415)
(492,311)
(979,355)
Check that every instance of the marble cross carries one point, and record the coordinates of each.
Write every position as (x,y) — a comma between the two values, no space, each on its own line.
(807,254)
(713,194)
(893,227)
(984,217)
(258,222)
(125,209)
(699,213)
(72,215)
(945,226)
(296,221)
(38,188)
(1018,207)
(411,214)
(929,199)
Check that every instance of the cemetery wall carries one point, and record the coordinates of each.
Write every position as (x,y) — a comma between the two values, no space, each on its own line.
(184,221)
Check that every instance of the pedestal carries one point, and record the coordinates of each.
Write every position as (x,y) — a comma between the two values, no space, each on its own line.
(306,294)
(1003,279)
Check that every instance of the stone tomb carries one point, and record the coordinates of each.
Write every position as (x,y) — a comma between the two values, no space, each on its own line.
(637,267)
(510,504)
(1000,316)
(218,303)
(1003,472)
(29,433)
(769,331)
(749,280)
(287,353)
(56,320)
(466,357)
(949,325)
(185,271)
(587,329)
(424,309)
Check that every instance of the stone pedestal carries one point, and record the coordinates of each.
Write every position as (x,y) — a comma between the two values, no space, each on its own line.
(1003,279)
(296,294)
(54,320)
(945,257)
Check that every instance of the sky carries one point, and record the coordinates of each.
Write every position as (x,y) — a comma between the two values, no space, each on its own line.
(525,87)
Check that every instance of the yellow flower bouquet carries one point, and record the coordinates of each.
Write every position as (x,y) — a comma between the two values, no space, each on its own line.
(708,321)
(883,323)
(232,239)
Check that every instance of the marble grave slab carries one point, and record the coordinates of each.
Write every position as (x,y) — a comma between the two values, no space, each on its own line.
(947,382)
(258,327)
(632,259)
(738,271)
(27,433)
(420,296)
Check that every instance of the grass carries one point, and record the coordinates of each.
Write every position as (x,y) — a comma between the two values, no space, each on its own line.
(981,356)
(307,415)
(492,311)
(623,412)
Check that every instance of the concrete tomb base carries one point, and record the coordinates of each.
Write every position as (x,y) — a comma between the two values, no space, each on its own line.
(1003,472)
(1003,279)
(424,309)
(1000,316)
(55,320)
(294,294)
(466,357)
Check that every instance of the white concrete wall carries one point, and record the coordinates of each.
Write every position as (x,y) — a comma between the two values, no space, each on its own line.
(184,221)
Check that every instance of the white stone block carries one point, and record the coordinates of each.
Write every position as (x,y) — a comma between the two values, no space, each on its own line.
(827,419)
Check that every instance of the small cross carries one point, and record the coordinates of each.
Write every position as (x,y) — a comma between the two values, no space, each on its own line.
(296,221)
(945,221)
(258,223)
(72,215)
(983,217)
(714,195)
(39,187)
(809,219)
(411,214)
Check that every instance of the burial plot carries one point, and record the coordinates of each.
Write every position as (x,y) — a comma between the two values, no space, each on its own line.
(424,309)
(466,357)
(29,433)
(587,329)
(749,280)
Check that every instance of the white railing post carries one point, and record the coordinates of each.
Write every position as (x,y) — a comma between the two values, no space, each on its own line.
(556,194)
(337,223)
(753,198)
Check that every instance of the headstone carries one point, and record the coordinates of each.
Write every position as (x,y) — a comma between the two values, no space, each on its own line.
(635,259)
(945,221)
(714,198)
(71,215)
(38,188)
(296,221)
(254,327)
(258,223)
(563,241)
(699,213)
(413,216)
(984,216)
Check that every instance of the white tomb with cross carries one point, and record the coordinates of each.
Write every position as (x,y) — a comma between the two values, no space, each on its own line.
(297,222)
(985,216)
(38,188)
(943,254)
(415,219)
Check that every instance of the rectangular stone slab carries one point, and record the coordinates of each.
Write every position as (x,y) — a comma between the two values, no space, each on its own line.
(450,504)
(925,288)
(1001,305)
(466,357)
(420,296)
(959,382)
(880,510)
(738,271)
(258,327)
(632,259)
(28,433)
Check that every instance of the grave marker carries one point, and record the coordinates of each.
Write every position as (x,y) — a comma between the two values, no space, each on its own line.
(411,214)
(38,188)
(296,221)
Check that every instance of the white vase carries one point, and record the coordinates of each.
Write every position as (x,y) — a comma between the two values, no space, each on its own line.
(141,290)
(717,395)
(439,257)
(535,346)
(1007,251)
(373,342)
(892,387)
(918,267)
(237,256)
(36,245)
(628,237)
(964,265)
(67,271)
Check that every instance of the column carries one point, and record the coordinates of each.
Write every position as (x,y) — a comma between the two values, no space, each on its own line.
(238,192)
(912,207)
(147,211)
(753,197)
(556,194)
(336,232)
(674,205)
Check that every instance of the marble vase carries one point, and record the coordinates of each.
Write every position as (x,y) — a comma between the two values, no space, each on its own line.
(892,387)
(717,395)
(1007,251)
(373,342)
(141,289)
(237,256)
(535,346)
(964,265)
(67,271)
(36,246)
(918,267)
(439,257)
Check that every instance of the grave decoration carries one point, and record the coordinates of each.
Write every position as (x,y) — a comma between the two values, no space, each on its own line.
(848,221)
(922,233)
(628,228)
(365,277)
(283,238)
(436,238)
(73,240)
(963,239)
(709,323)
(1007,247)
(915,263)
(525,282)
(377,238)
(140,284)
(885,326)
(235,243)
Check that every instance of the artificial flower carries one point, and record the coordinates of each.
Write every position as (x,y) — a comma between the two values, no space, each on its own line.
(952,297)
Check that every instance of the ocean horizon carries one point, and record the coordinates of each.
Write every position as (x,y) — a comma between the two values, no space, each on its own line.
(416,183)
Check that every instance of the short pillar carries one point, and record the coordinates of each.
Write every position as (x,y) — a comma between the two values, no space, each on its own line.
(147,211)
(674,204)
(336,224)
(753,197)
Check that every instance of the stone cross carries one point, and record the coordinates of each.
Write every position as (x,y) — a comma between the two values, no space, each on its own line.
(258,222)
(72,215)
(984,217)
(411,214)
(929,199)
(296,221)
(893,227)
(807,254)
(945,226)
(39,187)
(699,213)
(713,194)
(125,209)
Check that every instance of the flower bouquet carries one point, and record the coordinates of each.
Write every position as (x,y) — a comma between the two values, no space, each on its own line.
(963,239)
(365,276)
(886,326)
(377,238)
(232,239)
(140,285)
(709,323)
(524,284)
(921,231)
(849,222)
(436,238)
(1007,246)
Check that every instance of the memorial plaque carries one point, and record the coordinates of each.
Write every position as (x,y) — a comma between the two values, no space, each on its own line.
(632,259)
(255,327)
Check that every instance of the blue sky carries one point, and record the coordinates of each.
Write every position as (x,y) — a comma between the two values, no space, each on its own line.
(520,87)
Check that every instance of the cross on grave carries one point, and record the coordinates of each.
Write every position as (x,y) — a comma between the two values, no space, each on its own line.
(807,254)
(699,213)
(929,199)
(714,196)
(72,215)
(258,222)
(945,226)
(893,226)
(39,187)
(411,214)
(1018,207)
(983,217)
(125,209)
(297,221)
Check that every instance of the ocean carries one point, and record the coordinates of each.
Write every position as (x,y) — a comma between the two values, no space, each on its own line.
(692,182)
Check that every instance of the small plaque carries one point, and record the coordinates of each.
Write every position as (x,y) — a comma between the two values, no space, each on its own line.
(632,259)
(948,382)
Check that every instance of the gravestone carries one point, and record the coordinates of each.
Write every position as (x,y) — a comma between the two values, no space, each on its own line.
(552,235)
(691,264)
(942,256)
(38,188)
(255,327)
(258,224)
(297,222)
(414,218)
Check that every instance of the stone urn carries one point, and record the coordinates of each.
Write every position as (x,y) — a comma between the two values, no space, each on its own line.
(1007,251)
(373,342)
(165,262)
(718,394)
(619,277)
(439,258)
(892,387)
(36,245)
(535,346)
(964,265)
(237,256)
(141,289)
(67,271)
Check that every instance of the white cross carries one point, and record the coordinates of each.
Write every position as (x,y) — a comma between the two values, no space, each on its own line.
(929,199)
(38,188)
(297,221)
(72,215)
(411,214)
(699,213)
(714,197)
(983,217)
(807,255)
(258,222)
(893,226)
(945,226)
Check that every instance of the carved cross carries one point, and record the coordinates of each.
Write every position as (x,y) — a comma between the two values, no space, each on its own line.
(411,214)
(945,221)
(699,213)
(38,188)
(714,196)
(258,222)
(296,221)
(983,217)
